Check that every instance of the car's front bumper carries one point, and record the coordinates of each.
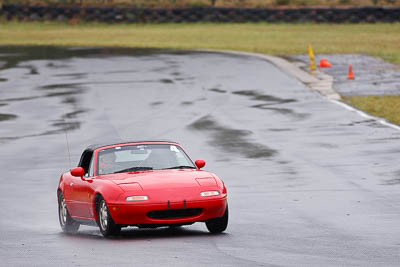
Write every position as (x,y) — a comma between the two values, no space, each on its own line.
(136,214)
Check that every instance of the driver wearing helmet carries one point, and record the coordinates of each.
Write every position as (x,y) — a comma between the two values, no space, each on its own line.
(107,163)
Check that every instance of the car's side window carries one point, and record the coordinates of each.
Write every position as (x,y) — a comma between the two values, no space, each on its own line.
(91,167)
(85,162)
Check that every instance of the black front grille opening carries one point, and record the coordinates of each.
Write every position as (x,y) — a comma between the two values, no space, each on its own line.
(174,213)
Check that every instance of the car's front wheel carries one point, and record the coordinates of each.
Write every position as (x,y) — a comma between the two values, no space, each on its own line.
(68,225)
(218,225)
(105,221)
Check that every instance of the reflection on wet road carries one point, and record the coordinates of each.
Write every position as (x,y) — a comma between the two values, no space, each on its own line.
(310,183)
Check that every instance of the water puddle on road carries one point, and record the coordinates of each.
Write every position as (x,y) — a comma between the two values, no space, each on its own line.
(254,95)
(68,93)
(232,140)
(186,103)
(74,76)
(156,103)
(284,111)
(395,181)
(369,122)
(394,178)
(217,90)
(61,86)
(271,100)
(61,127)
(6,117)
(74,114)
(16,99)
(166,81)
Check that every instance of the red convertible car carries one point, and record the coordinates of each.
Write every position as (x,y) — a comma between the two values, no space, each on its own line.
(144,184)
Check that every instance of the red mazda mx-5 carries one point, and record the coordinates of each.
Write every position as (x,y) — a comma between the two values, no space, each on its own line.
(143,184)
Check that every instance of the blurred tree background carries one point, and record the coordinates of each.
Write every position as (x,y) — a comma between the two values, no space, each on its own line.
(216,3)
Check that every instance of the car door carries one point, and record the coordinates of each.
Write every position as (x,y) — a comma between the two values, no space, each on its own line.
(78,190)
(76,201)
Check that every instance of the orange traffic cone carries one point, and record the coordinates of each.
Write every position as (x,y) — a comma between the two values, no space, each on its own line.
(350,76)
(324,63)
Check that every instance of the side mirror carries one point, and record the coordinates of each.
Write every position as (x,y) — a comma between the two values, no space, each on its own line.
(200,163)
(78,172)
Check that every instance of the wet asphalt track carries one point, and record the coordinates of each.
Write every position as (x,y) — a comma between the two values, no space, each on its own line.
(310,183)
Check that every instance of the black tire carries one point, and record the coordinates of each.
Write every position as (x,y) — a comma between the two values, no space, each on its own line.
(106,223)
(218,225)
(68,225)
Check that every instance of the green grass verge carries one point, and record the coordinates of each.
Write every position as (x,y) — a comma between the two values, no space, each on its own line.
(387,107)
(380,40)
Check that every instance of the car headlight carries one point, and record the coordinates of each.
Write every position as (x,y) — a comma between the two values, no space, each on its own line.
(209,193)
(137,198)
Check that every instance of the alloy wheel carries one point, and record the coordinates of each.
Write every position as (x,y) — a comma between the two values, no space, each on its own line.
(103,214)
(63,212)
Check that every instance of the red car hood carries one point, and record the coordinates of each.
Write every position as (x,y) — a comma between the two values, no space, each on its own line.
(177,178)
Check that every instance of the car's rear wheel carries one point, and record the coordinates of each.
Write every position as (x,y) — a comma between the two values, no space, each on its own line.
(105,221)
(68,225)
(218,225)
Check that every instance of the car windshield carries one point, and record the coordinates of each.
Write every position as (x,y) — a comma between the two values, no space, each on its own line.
(142,157)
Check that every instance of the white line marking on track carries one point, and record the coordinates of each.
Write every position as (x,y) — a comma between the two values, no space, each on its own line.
(365,115)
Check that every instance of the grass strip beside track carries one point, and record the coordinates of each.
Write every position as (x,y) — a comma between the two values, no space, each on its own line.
(387,107)
(380,40)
